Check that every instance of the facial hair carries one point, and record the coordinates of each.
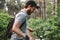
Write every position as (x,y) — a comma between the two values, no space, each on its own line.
(29,12)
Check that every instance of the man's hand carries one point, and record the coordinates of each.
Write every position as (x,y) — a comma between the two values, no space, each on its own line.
(26,37)
(30,35)
(31,38)
(17,30)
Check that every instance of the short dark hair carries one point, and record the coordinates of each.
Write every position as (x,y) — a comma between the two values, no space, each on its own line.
(32,3)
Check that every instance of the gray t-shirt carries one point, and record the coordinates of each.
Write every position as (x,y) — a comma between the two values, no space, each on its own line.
(20,18)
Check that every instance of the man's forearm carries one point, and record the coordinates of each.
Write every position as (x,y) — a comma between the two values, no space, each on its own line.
(18,32)
(30,35)
(16,29)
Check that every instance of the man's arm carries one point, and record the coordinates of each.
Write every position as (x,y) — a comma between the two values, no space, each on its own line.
(29,30)
(16,29)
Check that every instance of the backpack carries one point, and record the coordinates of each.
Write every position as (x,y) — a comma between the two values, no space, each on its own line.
(9,27)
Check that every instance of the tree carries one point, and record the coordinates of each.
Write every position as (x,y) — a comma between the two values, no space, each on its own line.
(2,4)
(14,6)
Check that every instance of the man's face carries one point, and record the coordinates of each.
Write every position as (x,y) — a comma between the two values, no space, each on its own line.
(31,10)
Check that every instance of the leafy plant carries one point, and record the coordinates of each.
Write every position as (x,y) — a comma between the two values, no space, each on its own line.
(48,29)
(4,19)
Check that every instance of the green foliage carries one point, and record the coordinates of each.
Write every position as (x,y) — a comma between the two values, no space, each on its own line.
(48,29)
(14,7)
(4,19)
(2,4)
(58,10)
(49,8)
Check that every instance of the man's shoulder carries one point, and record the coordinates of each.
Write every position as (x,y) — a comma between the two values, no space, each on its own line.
(20,14)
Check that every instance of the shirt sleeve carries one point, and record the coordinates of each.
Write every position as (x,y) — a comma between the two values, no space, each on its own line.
(20,18)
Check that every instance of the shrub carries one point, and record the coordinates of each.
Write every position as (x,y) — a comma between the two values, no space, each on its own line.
(48,29)
(4,19)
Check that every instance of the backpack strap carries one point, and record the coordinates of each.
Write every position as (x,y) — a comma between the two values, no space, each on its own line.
(22,24)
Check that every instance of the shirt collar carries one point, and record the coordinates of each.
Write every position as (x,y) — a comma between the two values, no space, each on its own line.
(24,12)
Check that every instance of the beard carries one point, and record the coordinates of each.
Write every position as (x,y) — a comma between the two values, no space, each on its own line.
(29,12)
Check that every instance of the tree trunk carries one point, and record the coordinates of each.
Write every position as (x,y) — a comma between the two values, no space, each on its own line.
(55,7)
(42,9)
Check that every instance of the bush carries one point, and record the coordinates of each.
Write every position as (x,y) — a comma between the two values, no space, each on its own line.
(4,19)
(48,29)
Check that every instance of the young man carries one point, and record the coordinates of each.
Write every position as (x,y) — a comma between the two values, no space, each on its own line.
(20,33)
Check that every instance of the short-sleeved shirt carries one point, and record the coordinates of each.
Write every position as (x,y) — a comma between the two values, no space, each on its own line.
(20,18)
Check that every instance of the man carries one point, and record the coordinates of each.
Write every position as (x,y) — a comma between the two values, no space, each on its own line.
(20,33)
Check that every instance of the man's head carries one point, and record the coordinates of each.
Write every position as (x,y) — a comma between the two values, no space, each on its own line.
(31,5)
